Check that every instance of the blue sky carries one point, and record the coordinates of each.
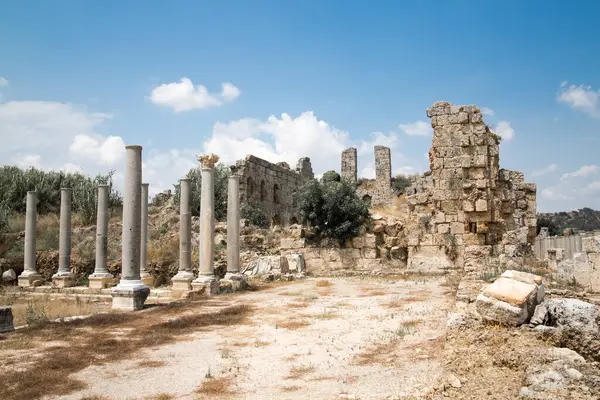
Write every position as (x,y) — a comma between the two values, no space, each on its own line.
(302,78)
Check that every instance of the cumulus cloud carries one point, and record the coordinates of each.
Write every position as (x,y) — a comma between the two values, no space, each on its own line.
(184,96)
(545,170)
(101,150)
(581,98)
(418,128)
(504,130)
(581,172)
(377,139)
(487,111)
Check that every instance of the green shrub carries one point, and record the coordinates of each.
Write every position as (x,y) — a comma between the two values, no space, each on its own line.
(255,216)
(332,209)
(401,182)
(221,176)
(16,182)
(331,176)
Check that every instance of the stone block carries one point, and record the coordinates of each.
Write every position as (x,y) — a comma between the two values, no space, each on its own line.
(370,253)
(495,310)
(591,244)
(370,241)
(207,285)
(63,281)
(311,253)
(349,254)
(235,281)
(99,281)
(358,242)
(129,298)
(443,228)
(29,278)
(295,262)
(292,243)
(457,228)
(481,205)
(6,319)
(267,264)
(468,206)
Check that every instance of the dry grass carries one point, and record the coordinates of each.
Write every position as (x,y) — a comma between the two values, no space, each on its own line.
(94,397)
(214,386)
(165,250)
(323,283)
(288,293)
(382,354)
(261,343)
(400,302)
(290,388)
(151,364)
(160,396)
(299,372)
(326,315)
(293,324)
(299,304)
(101,337)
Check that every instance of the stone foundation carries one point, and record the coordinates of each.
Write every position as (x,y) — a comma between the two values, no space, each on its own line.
(99,281)
(238,281)
(208,285)
(130,297)
(27,278)
(63,281)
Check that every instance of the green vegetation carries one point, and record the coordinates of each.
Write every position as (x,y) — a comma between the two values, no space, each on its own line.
(401,182)
(255,216)
(220,180)
(332,209)
(584,219)
(331,176)
(16,182)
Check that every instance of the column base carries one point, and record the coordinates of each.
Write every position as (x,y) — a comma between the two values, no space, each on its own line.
(99,281)
(63,279)
(148,280)
(129,295)
(206,283)
(182,281)
(237,280)
(30,278)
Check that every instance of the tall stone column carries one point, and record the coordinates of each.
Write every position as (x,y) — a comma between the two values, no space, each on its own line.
(206,271)
(183,279)
(233,274)
(30,274)
(64,277)
(131,293)
(147,279)
(101,277)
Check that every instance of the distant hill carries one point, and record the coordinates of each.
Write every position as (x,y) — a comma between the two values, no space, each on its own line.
(584,219)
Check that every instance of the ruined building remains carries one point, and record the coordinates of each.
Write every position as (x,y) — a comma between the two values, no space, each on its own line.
(376,191)
(271,187)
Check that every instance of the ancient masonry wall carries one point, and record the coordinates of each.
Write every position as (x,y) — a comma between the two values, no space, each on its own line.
(349,165)
(377,191)
(271,187)
(466,210)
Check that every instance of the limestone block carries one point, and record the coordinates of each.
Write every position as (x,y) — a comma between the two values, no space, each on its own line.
(457,228)
(358,242)
(9,275)
(440,217)
(129,298)
(349,253)
(443,228)
(522,204)
(370,253)
(572,313)
(332,254)
(367,264)
(413,241)
(521,276)
(295,262)
(511,291)
(495,310)
(6,320)
(594,271)
(267,264)
(591,244)
(476,118)
(465,161)
(481,205)
(379,227)
(391,241)
(292,243)
(370,241)
(311,253)
(480,160)
(468,206)
(481,183)
(477,173)
(576,270)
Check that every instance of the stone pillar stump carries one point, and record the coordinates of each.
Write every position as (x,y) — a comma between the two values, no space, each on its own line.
(183,280)
(30,274)
(101,277)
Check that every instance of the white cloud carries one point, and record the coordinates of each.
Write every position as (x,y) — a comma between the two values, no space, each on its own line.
(487,111)
(581,172)
(545,170)
(184,96)
(101,150)
(419,128)
(504,130)
(378,138)
(582,98)
(3,81)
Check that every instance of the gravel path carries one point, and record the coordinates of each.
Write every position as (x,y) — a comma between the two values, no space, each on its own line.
(312,339)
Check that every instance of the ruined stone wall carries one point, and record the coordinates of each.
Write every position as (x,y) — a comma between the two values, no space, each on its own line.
(271,187)
(379,190)
(467,212)
(349,165)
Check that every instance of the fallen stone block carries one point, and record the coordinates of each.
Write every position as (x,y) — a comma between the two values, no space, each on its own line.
(6,320)
(571,313)
(267,264)
(492,309)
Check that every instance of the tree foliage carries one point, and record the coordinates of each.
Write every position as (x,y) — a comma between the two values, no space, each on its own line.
(553,228)
(401,182)
(332,209)
(221,176)
(331,176)
(16,182)
(255,216)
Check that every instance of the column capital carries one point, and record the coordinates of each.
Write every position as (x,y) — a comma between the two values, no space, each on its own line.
(207,160)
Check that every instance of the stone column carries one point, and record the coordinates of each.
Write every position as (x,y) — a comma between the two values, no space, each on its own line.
(64,277)
(101,277)
(184,277)
(30,274)
(131,293)
(233,274)
(147,279)
(206,272)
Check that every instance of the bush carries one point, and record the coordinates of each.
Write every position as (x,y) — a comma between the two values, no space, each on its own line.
(401,182)
(332,209)
(553,228)
(220,180)
(255,216)
(331,176)
(16,182)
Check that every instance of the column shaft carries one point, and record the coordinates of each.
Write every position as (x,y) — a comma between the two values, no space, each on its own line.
(102,230)
(144,231)
(185,226)
(64,247)
(207,222)
(233,225)
(30,234)
(130,252)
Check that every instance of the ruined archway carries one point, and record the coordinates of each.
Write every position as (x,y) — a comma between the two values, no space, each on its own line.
(293,221)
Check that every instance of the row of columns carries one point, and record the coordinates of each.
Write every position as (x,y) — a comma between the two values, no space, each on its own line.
(132,290)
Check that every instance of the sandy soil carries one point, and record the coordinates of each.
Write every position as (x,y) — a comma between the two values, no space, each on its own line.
(312,339)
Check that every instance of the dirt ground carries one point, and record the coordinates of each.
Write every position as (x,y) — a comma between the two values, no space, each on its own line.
(334,338)
(318,338)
